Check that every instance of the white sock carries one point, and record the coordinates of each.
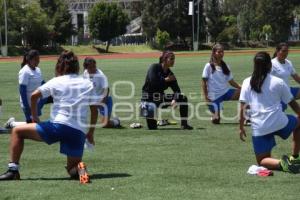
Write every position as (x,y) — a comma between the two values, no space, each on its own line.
(13,166)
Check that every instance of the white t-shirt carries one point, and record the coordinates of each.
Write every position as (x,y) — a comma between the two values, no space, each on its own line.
(99,81)
(217,82)
(283,70)
(265,107)
(71,99)
(32,79)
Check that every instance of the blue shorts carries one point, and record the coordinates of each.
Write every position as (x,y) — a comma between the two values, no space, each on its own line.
(71,140)
(264,144)
(106,108)
(294,92)
(216,104)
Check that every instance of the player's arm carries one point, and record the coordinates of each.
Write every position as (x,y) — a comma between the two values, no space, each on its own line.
(234,84)
(35,96)
(105,94)
(204,89)
(93,121)
(296,77)
(242,120)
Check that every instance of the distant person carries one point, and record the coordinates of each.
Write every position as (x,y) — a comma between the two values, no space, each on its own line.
(101,89)
(215,78)
(284,69)
(264,93)
(159,78)
(72,97)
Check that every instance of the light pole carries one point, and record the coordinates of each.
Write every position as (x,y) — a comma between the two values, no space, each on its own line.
(191,12)
(4,48)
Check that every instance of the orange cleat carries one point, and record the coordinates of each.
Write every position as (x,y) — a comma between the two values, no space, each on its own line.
(82,172)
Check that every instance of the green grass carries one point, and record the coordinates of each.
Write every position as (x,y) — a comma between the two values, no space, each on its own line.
(93,50)
(209,162)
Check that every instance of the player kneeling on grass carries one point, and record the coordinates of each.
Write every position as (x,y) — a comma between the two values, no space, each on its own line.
(71,99)
(158,79)
(101,90)
(264,93)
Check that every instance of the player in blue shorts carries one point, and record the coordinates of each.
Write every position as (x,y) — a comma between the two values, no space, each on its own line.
(215,78)
(264,93)
(101,89)
(284,69)
(72,97)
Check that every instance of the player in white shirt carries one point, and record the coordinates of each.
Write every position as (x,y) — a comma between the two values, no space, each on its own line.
(284,69)
(30,78)
(264,93)
(72,97)
(215,78)
(101,89)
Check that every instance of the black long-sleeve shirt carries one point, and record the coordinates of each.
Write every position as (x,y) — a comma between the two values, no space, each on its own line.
(155,83)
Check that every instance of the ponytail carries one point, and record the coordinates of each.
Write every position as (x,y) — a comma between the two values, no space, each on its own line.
(262,66)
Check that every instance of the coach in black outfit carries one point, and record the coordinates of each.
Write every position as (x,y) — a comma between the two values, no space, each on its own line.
(159,78)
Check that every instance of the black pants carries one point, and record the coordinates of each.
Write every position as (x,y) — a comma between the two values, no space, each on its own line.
(181,100)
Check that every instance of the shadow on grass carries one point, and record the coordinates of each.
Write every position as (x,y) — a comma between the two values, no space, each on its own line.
(178,129)
(230,123)
(100,50)
(92,176)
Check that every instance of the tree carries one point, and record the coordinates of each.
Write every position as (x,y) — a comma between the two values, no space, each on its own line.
(107,21)
(162,38)
(230,33)
(15,16)
(214,21)
(60,19)
(166,15)
(280,17)
(35,25)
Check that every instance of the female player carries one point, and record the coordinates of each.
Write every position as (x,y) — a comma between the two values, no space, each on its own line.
(284,69)
(72,96)
(101,89)
(30,78)
(159,78)
(264,92)
(215,78)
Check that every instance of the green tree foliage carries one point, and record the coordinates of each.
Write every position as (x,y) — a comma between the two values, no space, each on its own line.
(35,25)
(162,38)
(107,21)
(278,14)
(166,15)
(15,19)
(60,20)
(230,33)
(214,21)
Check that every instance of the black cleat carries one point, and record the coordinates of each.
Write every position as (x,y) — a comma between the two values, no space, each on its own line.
(287,166)
(186,127)
(10,175)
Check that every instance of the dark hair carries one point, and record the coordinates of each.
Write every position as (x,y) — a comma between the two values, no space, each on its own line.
(262,66)
(279,47)
(164,56)
(87,61)
(67,63)
(31,54)
(224,67)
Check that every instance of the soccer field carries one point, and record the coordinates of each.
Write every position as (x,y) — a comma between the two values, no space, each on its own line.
(209,162)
